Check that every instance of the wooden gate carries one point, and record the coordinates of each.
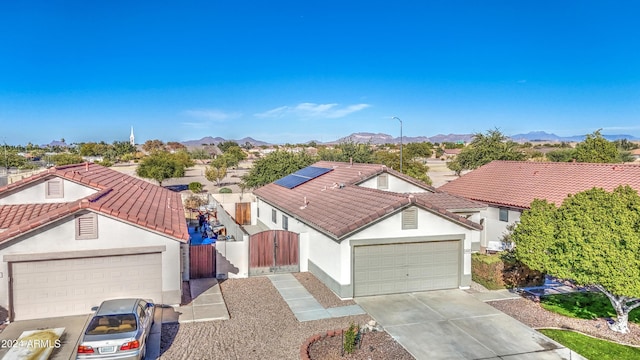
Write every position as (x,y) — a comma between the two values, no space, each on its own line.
(202,261)
(243,213)
(273,251)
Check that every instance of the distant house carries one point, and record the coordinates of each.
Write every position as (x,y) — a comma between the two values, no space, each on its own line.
(451,153)
(75,235)
(365,229)
(509,187)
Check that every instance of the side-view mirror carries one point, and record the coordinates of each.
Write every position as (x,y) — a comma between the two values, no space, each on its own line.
(94,308)
(150,305)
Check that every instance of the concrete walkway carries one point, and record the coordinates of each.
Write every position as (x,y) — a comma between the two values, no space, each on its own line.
(207,304)
(303,305)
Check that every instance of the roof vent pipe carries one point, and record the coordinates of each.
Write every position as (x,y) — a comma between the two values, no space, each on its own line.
(86,166)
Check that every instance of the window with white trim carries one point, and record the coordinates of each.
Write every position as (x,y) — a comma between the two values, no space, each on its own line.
(383,181)
(87,226)
(285,222)
(274,216)
(504,215)
(410,219)
(54,189)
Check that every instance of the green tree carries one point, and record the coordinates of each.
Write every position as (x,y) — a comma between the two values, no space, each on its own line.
(11,159)
(225,145)
(233,155)
(593,238)
(123,148)
(562,155)
(347,151)
(153,146)
(596,149)
(200,154)
(274,166)
(418,150)
(413,168)
(216,172)
(485,148)
(66,159)
(159,166)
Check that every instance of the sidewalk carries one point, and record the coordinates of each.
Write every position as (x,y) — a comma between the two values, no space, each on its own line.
(303,305)
(207,305)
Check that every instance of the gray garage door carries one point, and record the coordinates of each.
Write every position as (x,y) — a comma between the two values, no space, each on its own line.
(72,286)
(407,267)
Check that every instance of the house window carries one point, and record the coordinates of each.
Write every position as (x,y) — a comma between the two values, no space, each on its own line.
(285,222)
(87,226)
(383,181)
(504,215)
(274,218)
(54,189)
(410,219)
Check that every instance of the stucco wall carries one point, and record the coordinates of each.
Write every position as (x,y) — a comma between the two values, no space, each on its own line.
(334,259)
(59,237)
(395,185)
(36,194)
(493,227)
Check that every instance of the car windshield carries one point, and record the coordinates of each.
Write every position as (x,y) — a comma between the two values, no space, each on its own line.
(112,324)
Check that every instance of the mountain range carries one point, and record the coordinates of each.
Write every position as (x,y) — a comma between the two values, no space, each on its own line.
(380,138)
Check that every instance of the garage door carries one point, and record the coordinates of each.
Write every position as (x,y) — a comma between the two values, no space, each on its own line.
(72,286)
(406,267)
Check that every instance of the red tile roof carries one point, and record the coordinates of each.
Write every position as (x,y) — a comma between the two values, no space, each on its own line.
(118,195)
(518,183)
(337,206)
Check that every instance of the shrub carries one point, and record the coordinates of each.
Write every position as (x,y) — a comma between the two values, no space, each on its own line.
(502,271)
(105,163)
(351,338)
(225,190)
(195,187)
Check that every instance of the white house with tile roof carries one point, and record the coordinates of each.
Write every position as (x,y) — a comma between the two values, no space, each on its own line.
(509,187)
(365,229)
(75,235)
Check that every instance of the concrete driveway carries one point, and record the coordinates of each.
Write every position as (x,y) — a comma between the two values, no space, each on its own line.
(73,327)
(452,324)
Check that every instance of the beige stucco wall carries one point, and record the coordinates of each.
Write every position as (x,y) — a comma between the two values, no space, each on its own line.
(494,229)
(35,194)
(334,258)
(395,185)
(59,237)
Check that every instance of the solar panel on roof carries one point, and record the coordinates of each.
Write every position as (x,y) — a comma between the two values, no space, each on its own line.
(291,181)
(312,172)
(301,176)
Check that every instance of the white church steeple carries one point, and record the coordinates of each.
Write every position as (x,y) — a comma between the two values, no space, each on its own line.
(132,139)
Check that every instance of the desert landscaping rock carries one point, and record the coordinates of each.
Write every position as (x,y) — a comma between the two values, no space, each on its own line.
(261,326)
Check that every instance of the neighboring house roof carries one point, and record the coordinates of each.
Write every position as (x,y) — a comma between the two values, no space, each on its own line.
(118,195)
(518,183)
(337,206)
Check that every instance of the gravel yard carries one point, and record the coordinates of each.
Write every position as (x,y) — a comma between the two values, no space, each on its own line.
(261,326)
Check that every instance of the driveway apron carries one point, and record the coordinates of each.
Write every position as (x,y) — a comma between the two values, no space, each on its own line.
(452,324)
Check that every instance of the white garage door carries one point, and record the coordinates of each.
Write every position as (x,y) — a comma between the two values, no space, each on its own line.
(407,267)
(72,286)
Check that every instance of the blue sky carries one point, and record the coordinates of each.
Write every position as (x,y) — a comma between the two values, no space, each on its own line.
(294,71)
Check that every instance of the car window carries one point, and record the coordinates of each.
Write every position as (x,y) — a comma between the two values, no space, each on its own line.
(141,313)
(112,324)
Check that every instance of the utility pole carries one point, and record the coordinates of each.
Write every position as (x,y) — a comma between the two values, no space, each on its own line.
(395,117)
